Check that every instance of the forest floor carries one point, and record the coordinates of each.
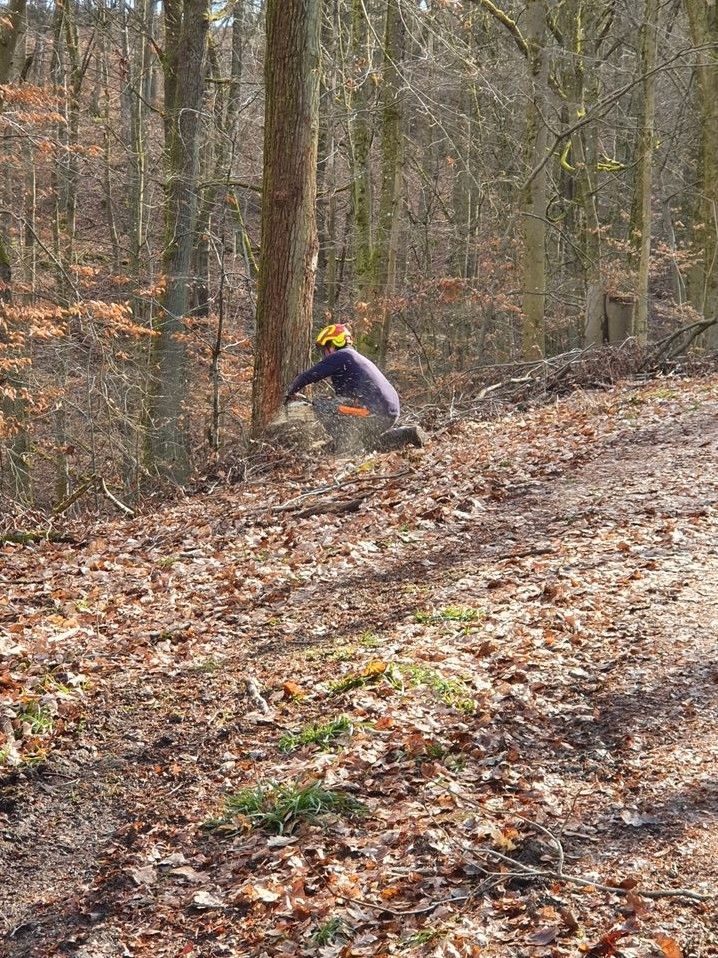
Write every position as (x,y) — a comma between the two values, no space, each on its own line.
(506,647)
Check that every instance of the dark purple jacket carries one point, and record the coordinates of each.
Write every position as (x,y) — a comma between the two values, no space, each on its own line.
(355,377)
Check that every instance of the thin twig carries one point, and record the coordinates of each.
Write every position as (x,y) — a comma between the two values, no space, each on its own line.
(561,858)
(406,911)
(529,872)
(323,490)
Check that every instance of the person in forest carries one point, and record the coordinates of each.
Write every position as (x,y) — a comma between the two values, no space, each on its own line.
(365,406)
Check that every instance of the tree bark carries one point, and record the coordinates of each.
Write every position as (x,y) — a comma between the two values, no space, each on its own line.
(641,218)
(10,33)
(359,107)
(390,199)
(13,392)
(582,18)
(534,196)
(703,20)
(289,230)
(186,23)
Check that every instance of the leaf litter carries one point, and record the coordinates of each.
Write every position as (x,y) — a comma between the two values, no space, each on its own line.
(520,620)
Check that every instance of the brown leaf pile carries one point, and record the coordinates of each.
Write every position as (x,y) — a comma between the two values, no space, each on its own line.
(473,717)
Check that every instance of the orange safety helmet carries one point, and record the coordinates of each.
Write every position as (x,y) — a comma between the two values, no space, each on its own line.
(336,335)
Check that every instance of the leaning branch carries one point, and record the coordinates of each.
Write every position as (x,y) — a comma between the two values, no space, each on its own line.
(511,25)
(675,344)
(91,482)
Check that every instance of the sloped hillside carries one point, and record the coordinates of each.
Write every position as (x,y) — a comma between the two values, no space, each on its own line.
(457,701)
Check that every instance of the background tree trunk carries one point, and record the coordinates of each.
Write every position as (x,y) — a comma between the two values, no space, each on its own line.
(360,86)
(641,219)
(10,33)
(186,22)
(534,195)
(703,19)
(390,199)
(13,401)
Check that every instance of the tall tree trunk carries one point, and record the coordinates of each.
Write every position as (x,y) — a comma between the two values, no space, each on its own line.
(641,218)
(703,19)
(289,229)
(10,33)
(78,64)
(466,197)
(214,154)
(186,25)
(60,180)
(13,394)
(234,100)
(327,165)
(533,200)
(139,70)
(106,108)
(389,223)
(581,25)
(359,106)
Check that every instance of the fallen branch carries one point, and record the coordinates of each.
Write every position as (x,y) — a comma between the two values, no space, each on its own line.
(120,505)
(662,348)
(520,870)
(91,482)
(406,911)
(331,508)
(23,538)
(360,481)
(70,500)
(564,370)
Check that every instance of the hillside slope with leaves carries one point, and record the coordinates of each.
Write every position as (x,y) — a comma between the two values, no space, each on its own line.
(471,711)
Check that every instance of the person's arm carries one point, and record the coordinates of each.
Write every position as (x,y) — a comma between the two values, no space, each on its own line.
(322,370)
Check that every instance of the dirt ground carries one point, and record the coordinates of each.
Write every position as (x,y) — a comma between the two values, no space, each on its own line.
(524,617)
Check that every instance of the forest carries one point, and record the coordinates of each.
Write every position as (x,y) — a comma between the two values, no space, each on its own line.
(268,694)
(481,184)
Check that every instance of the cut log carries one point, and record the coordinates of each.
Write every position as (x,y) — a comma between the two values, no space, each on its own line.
(402,436)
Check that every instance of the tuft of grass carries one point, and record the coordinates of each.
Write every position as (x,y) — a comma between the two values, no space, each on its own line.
(335,929)
(369,640)
(423,937)
(450,613)
(51,684)
(280,808)
(207,665)
(435,750)
(374,673)
(317,734)
(452,692)
(347,651)
(342,653)
(37,717)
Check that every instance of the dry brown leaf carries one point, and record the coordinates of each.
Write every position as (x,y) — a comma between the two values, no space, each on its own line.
(669,946)
(260,893)
(544,936)
(375,667)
